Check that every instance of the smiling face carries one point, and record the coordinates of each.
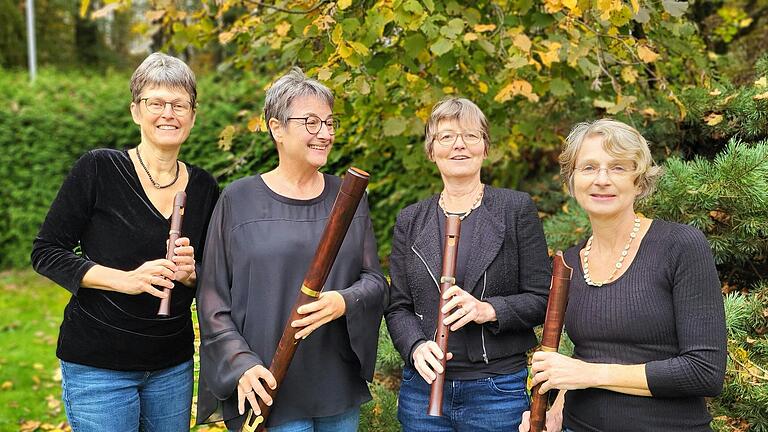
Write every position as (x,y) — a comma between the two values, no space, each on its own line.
(602,184)
(166,129)
(294,142)
(460,159)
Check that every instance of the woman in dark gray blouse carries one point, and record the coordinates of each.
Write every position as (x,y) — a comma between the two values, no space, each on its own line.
(262,237)
(645,311)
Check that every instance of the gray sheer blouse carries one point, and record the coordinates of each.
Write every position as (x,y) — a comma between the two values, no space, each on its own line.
(259,246)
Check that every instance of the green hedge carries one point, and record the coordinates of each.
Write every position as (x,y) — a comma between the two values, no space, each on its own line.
(45,127)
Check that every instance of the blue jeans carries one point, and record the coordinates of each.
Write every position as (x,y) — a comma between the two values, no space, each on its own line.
(98,400)
(344,422)
(487,404)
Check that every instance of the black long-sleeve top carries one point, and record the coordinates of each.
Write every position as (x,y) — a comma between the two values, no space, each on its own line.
(507,266)
(259,247)
(102,208)
(666,311)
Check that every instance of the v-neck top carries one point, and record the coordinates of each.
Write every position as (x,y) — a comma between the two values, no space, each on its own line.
(666,312)
(102,215)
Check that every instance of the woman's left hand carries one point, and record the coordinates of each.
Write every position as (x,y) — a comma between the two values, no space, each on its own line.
(555,370)
(184,258)
(328,306)
(468,309)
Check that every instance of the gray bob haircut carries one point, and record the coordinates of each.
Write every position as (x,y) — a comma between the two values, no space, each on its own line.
(288,88)
(621,141)
(162,70)
(461,110)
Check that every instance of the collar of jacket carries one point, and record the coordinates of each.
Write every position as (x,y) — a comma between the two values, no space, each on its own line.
(487,238)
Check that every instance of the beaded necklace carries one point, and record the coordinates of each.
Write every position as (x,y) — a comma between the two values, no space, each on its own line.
(154,183)
(475,205)
(619,263)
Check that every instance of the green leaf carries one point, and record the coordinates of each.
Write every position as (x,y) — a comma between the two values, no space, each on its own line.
(413,6)
(394,126)
(441,47)
(414,44)
(675,8)
(429,4)
(560,87)
(516,61)
(642,16)
(453,28)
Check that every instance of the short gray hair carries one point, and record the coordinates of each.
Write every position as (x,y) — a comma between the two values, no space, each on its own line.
(162,70)
(288,88)
(621,141)
(458,109)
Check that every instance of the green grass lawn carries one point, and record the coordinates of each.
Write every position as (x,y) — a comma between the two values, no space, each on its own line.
(31,309)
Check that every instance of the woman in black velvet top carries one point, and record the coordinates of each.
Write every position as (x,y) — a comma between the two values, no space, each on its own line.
(645,311)
(123,367)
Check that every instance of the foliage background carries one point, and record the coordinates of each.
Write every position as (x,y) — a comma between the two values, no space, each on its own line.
(691,76)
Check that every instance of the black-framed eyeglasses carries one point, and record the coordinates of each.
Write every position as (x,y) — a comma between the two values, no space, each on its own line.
(157,105)
(448,138)
(314,124)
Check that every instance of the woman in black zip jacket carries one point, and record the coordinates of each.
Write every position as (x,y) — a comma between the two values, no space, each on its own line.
(502,283)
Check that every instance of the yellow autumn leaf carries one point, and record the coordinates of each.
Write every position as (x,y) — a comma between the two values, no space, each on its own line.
(713,119)
(552,54)
(6,385)
(469,37)
(523,42)
(84,7)
(154,15)
(359,48)
(483,87)
(629,74)
(336,34)
(343,4)
(570,4)
(225,138)
(646,54)
(635,6)
(553,6)
(680,106)
(225,37)
(517,88)
(324,74)
(762,82)
(254,124)
(411,77)
(649,112)
(283,28)
(448,90)
(481,28)
(761,96)
(602,103)
(345,50)
(715,92)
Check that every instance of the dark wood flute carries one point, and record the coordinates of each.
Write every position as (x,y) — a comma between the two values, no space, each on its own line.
(352,189)
(553,328)
(447,279)
(177,217)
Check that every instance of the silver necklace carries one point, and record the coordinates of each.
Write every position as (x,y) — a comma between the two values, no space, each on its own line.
(475,205)
(619,263)
(154,183)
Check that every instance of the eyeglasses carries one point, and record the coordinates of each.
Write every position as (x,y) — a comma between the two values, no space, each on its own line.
(157,106)
(448,138)
(314,124)
(620,169)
